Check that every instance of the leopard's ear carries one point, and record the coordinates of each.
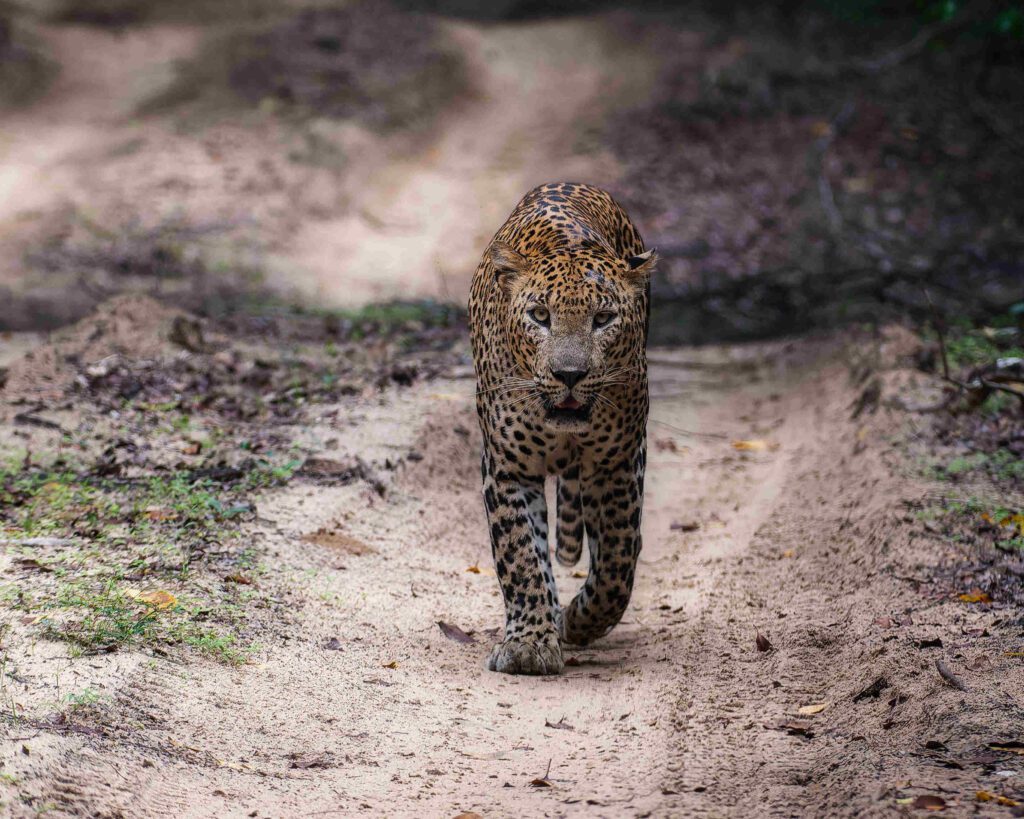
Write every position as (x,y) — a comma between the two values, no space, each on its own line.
(641,266)
(508,263)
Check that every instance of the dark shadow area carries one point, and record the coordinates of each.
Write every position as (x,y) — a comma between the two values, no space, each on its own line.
(835,162)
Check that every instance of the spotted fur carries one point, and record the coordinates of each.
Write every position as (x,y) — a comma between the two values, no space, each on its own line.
(562,390)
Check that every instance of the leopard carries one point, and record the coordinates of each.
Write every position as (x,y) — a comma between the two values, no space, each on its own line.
(558,315)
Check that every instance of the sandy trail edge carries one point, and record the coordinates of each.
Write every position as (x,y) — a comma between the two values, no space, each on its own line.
(307,729)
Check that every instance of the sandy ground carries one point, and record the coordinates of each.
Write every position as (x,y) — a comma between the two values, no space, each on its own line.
(357,703)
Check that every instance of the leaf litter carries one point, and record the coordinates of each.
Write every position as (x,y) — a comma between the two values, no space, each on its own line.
(455,633)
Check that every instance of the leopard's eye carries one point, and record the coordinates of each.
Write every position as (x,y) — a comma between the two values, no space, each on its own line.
(539,314)
(603,318)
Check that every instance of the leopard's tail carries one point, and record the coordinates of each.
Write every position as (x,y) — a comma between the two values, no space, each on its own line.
(569,511)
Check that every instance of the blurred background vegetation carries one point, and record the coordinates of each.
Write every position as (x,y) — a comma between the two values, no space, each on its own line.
(836,161)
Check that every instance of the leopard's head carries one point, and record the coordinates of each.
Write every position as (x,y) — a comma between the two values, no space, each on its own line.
(576,323)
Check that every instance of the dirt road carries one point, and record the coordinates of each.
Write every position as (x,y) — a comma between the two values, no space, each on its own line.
(356,702)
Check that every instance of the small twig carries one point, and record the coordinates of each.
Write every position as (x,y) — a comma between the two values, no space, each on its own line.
(679,430)
(949,676)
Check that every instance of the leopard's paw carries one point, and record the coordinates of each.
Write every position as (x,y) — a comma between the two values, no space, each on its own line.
(580,627)
(540,654)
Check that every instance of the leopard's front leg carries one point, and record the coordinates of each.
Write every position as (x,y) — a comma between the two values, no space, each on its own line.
(517,517)
(612,506)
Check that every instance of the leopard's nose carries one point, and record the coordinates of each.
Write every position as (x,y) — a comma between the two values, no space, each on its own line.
(570,377)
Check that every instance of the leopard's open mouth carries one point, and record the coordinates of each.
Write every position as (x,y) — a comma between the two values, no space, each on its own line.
(569,410)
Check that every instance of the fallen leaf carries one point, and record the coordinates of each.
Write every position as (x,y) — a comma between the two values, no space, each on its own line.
(579,575)
(665,445)
(191,448)
(685,526)
(342,542)
(455,633)
(32,563)
(756,445)
(975,596)
(467,814)
(334,644)
(762,642)
(305,761)
(985,796)
(154,599)
(393,664)
(1011,746)
(543,781)
(240,579)
(561,725)
(797,727)
(788,553)
(808,710)
(485,570)
(159,513)
(873,690)
(980,663)
(928,801)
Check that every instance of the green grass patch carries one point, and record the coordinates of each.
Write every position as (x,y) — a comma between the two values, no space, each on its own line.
(1000,466)
(138,549)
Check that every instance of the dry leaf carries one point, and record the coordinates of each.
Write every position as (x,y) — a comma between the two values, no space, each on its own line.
(455,633)
(154,599)
(797,727)
(159,513)
(579,575)
(980,663)
(306,761)
(561,725)
(788,553)
(191,448)
(975,596)
(928,802)
(486,570)
(985,796)
(763,643)
(540,782)
(685,526)
(1012,747)
(756,445)
(32,563)
(808,710)
(468,814)
(240,579)
(393,664)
